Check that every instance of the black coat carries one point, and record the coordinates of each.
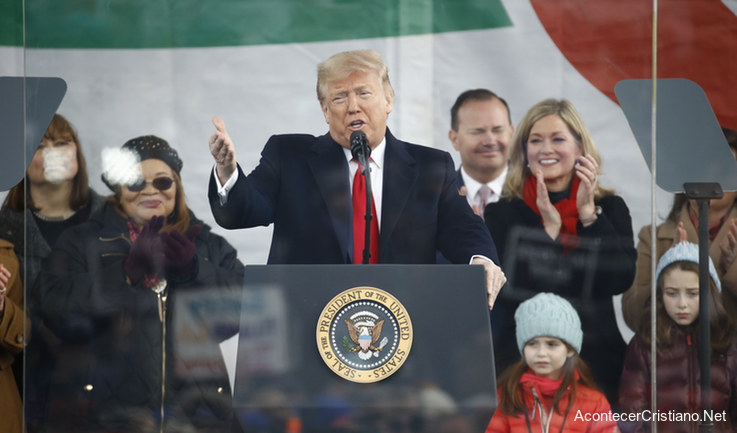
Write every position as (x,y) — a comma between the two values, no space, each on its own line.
(108,372)
(21,230)
(602,266)
(301,185)
(678,385)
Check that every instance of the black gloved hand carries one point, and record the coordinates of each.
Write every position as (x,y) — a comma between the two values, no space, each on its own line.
(146,256)
(179,252)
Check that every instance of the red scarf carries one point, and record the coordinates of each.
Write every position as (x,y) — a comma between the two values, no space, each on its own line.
(545,386)
(566,208)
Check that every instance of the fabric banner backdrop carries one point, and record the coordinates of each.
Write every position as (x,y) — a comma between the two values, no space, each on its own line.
(163,67)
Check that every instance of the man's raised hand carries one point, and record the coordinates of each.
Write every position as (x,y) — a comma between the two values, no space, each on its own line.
(223,150)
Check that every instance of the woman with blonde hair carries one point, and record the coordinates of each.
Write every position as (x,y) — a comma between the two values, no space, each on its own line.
(558,230)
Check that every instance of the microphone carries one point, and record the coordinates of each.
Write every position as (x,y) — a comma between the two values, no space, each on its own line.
(360,148)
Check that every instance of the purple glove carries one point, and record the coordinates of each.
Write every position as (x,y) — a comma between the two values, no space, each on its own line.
(179,252)
(146,256)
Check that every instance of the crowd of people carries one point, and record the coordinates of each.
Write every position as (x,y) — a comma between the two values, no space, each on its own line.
(108,278)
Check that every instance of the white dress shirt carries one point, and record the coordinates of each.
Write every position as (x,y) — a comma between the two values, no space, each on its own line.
(473,187)
(376,164)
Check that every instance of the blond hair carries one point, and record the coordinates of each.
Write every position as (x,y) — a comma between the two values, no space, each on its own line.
(518,164)
(341,65)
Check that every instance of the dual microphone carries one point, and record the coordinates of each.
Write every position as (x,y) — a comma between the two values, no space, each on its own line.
(360,148)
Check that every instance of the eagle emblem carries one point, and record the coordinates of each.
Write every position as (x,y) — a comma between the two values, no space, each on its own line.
(364,329)
(364,334)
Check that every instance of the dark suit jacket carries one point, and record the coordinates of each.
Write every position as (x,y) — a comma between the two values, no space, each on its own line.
(302,186)
(459,180)
(439,258)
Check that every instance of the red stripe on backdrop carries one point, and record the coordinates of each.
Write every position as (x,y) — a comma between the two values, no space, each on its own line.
(609,41)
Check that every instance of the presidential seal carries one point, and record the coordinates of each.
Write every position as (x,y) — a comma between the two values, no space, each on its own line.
(364,334)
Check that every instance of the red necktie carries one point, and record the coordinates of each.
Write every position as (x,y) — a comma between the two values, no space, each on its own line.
(359,223)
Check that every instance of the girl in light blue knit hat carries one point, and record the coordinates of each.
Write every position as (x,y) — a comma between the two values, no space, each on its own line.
(677,336)
(550,389)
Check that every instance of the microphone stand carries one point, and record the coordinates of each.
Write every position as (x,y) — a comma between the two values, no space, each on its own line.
(361,151)
(702,193)
(368,216)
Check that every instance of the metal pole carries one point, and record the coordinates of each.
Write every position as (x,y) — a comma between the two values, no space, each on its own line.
(702,193)
(653,222)
(704,322)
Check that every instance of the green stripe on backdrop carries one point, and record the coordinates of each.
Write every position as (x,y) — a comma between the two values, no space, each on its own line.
(210,23)
(11,23)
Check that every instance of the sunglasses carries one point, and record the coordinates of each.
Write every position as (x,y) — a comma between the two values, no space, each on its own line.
(160,183)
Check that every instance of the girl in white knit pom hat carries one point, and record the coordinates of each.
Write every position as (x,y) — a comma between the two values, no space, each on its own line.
(550,389)
(678,366)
